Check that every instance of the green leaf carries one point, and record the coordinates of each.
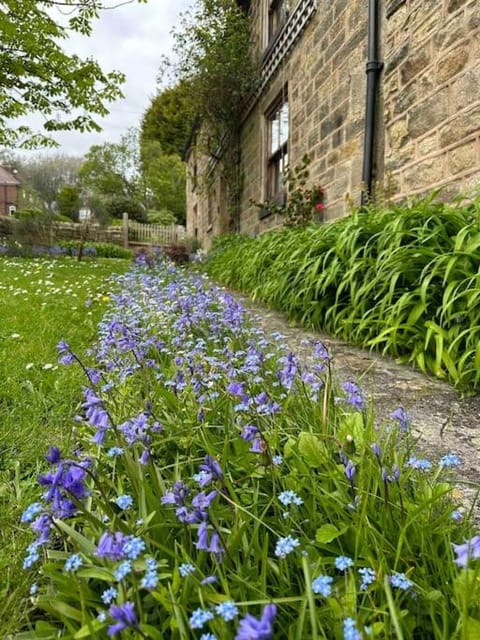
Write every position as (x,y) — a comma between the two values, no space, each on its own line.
(471,629)
(311,449)
(328,532)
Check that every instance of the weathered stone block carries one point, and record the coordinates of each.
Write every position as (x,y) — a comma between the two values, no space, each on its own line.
(415,64)
(452,63)
(397,134)
(460,127)
(428,145)
(466,90)
(462,158)
(424,174)
(428,114)
(453,5)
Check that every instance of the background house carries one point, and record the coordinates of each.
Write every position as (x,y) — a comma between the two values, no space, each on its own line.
(312,100)
(9,191)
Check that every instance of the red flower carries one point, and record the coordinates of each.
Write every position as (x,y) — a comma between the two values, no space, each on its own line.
(319,207)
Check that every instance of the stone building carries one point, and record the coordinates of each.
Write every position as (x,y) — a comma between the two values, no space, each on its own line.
(316,55)
(9,191)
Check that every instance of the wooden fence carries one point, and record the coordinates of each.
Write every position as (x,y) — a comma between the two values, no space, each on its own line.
(155,233)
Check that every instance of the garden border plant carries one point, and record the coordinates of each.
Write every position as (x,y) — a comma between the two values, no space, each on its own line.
(219,489)
(404,279)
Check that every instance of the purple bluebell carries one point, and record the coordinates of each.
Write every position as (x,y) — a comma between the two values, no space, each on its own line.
(111,545)
(124,616)
(468,551)
(251,628)
(402,418)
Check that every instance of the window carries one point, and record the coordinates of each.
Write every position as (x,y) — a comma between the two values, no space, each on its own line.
(277,156)
(277,15)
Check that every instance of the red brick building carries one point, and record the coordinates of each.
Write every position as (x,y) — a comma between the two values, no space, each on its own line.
(9,191)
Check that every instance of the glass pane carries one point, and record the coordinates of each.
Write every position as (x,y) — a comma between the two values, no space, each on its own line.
(284,123)
(274,133)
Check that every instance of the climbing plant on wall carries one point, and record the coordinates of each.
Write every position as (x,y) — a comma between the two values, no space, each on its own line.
(212,53)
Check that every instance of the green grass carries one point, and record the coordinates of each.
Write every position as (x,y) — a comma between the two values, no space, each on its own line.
(41,302)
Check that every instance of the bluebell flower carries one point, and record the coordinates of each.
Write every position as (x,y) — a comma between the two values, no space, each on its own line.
(468,551)
(457,515)
(368,577)
(350,471)
(111,545)
(290,497)
(73,562)
(109,595)
(350,631)
(402,418)
(285,546)
(323,586)
(400,581)
(354,395)
(209,580)
(199,618)
(124,502)
(125,618)
(226,610)
(342,563)
(251,628)
(186,569)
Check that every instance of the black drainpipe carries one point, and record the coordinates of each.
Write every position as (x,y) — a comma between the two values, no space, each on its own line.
(374,68)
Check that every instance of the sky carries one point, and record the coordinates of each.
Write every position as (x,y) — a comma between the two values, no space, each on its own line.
(131,39)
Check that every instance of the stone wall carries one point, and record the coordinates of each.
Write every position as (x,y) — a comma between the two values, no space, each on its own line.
(432,96)
(428,129)
(325,76)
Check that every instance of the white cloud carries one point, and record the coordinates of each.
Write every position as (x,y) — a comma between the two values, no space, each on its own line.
(131,39)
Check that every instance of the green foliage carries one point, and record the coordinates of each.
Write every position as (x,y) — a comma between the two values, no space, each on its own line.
(163,217)
(169,119)
(36,75)
(404,280)
(164,179)
(41,301)
(98,249)
(372,504)
(68,202)
(214,58)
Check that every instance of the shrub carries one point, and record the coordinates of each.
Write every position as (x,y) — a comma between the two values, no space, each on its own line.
(99,249)
(163,217)
(404,280)
(218,484)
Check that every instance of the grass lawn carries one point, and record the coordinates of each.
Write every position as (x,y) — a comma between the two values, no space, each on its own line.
(41,302)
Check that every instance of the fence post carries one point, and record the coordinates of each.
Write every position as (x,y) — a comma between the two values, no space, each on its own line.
(125,229)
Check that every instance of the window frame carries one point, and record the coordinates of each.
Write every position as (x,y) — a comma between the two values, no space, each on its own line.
(276,156)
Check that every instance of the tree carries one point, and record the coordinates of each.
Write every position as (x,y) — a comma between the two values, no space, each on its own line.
(43,176)
(164,178)
(68,201)
(36,75)
(111,174)
(169,119)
